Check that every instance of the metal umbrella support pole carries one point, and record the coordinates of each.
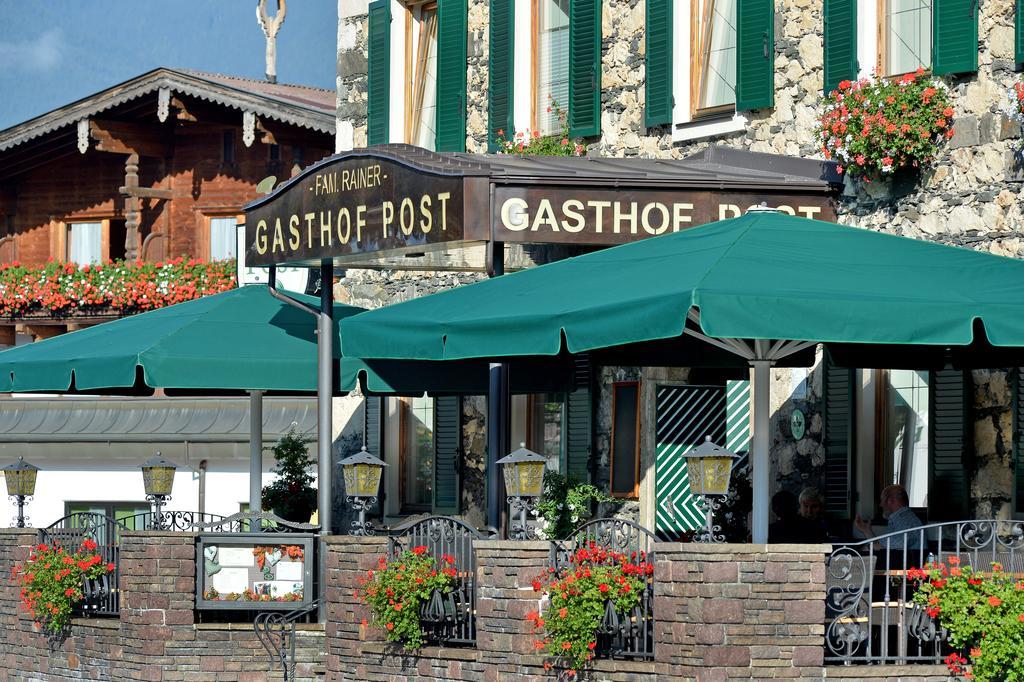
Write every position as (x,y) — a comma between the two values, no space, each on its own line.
(255,451)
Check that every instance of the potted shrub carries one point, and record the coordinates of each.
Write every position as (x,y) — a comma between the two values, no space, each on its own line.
(596,582)
(873,128)
(292,496)
(398,591)
(53,582)
(565,505)
(982,613)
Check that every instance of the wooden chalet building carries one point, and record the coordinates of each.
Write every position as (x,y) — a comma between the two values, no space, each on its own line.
(153,168)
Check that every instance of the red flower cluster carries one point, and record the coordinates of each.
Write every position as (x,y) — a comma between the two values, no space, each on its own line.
(51,581)
(125,287)
(873,127)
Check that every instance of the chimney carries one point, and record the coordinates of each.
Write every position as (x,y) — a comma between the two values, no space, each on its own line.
(270,28)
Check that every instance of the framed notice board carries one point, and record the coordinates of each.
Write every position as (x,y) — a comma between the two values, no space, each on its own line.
(258,571)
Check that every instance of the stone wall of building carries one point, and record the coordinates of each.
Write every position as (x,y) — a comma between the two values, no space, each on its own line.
(155,638)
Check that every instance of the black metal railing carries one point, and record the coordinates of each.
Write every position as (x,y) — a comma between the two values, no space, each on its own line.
(276,632)
(870,613)
(170,520)
(446,618)
(102,597)
(620,635)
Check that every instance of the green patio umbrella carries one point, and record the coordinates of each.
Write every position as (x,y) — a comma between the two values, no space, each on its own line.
(242,339)
(764,287)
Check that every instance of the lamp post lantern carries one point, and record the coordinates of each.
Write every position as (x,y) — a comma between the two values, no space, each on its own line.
(524,482)
(362,473)
(709,467)
(158,480)
(21,485)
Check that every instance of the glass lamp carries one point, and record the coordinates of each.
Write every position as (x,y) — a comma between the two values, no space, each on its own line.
(21,484)
(158,480)
(362,473)
(709,467)
(523,471)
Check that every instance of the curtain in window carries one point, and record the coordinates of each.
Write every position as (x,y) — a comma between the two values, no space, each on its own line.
(906,433)
(419,451)
(222,238)
(424,83)
(552,63)
(908,34)
(546,427)
(85,243)
(714,31)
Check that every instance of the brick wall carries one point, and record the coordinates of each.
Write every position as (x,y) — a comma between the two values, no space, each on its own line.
(156,637)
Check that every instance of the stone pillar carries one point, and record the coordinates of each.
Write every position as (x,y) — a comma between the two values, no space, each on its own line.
(15,545)
(347,558)
(158,584)
(505,573)
(739,611)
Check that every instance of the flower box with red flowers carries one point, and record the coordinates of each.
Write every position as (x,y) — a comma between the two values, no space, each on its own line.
(981,612)
(875,127)
(400,590)
(54,581)
(595,584)
(112,288)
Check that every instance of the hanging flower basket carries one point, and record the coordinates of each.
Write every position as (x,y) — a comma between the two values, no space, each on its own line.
(873,128)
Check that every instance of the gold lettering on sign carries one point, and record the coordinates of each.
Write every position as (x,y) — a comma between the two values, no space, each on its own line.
(443,197)
(261,237)
(406,225)
(645,218)
(677,215)
(513,214)
(545,216)
(293,230)
(388,213)
(599,207)
(278,237)
(427,221)
(343,237)
(571,208)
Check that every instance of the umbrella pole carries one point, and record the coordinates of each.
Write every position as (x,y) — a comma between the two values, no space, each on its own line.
(760,387)
(324,391)
(255,451)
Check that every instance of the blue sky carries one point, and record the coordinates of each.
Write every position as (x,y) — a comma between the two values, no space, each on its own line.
(53,52)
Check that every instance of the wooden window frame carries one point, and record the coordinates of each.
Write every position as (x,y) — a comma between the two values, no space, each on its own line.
(206,218)
(882,461)
(882,41)
(60,242)
(404,410)
(410,75)
(697,113)
(531,435)
(636,445)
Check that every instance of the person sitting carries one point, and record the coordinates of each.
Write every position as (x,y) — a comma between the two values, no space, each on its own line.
(812,506)
(792,526)
(895,505)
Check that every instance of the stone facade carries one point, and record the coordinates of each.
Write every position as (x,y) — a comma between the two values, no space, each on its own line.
(156,638)
(966,198)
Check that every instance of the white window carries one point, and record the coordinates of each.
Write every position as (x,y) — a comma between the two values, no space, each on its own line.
(904,434)
(907,30)
(417,453)
(704,71)
(421,72)
(223,238)
(551,75)
(85,243)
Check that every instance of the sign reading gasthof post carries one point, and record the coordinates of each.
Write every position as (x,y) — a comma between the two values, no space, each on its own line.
(354,205)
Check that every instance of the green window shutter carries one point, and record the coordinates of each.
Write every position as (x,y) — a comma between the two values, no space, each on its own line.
(500,71)
(450,112)
(378,73)
(658,109)
(447,453)
(755,54)
(840,42)
(584,68)
(838,431)
(578,413)
(947,441)
(1018,32)
(954,36)
(1018,439)
(373,427)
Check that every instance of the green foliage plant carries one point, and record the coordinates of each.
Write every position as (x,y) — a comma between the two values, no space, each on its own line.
(983,612)
(577,595)
(875,127)
(396,590)
(532,143)
(565,504)
(292,495)
(51,582)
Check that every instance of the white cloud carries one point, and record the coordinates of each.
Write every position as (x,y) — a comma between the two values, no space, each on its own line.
(43,53)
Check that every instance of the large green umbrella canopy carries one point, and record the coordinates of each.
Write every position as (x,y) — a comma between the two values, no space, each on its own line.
(765,275)
(243,339)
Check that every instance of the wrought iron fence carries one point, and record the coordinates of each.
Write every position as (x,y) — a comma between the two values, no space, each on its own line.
(870,613)
(276,632)
(446,618)
(102,597)
(620,635)
(170,520)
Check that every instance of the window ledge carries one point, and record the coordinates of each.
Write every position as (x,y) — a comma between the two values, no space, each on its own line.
(695,130)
